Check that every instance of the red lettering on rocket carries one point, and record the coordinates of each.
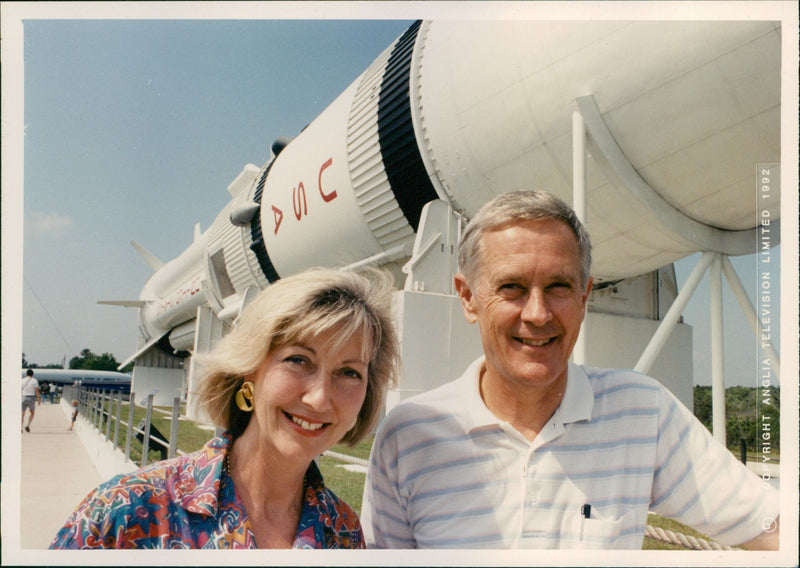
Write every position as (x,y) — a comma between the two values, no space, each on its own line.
(278,215)
(298,199)
(326,196)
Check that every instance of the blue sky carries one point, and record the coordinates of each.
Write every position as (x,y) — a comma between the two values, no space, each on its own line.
(134,129)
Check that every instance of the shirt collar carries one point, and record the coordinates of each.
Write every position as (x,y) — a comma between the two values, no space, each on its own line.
(198,483)
(577,403)
(476,414)
(198,486)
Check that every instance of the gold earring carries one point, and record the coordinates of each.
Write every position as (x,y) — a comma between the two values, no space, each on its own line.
(244,397)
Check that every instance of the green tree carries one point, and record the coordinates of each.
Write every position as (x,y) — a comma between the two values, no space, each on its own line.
(28,364)
(740,428)
(89,360)
(702,405)
(769,414)
(750,414)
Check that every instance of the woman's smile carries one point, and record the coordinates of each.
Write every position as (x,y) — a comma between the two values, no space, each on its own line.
(307,425)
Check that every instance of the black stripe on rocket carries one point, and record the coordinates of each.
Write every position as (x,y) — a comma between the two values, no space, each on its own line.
(399,150)
(258,246)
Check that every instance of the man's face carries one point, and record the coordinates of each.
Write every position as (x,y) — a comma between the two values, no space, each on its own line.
(528,300)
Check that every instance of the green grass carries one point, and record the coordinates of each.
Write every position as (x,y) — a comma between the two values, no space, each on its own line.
(190,436)
(361,450)
(348,485)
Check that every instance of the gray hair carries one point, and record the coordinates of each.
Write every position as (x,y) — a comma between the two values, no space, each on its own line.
(294,309)
(514,206)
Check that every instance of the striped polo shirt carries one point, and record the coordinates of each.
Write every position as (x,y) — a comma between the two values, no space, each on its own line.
(446,473)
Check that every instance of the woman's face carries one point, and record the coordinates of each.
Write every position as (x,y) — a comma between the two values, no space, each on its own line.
(308,395)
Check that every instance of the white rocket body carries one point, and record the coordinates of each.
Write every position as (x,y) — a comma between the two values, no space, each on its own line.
(463,111)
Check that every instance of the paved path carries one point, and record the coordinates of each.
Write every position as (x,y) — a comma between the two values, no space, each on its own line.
(57,474)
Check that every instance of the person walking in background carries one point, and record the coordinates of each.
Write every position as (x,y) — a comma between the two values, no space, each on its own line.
(44,391)
(30,397)
(306,366)
(74,414)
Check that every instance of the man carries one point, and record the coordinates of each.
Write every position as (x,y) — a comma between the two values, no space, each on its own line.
(44,392)
(528,450)
(30,396)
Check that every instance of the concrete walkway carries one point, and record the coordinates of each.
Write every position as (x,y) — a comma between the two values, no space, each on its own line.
(57,474)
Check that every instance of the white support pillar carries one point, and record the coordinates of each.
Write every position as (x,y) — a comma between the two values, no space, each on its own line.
(664,330)
(579,165)
(579,204)
(750,314)
(717,352)
(208,330)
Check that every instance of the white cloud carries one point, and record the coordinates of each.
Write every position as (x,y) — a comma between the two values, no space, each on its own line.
(50,224)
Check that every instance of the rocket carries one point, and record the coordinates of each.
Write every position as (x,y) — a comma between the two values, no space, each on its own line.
(677,115)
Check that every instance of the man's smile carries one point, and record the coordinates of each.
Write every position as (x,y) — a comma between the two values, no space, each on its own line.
(535,342)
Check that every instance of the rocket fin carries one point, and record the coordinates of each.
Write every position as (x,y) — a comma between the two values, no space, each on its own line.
(244,180)
(151,259)
(124,303)
(249,295)
(141,351)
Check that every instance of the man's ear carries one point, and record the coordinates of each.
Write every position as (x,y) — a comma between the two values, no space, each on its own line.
(465,295)
(587,291)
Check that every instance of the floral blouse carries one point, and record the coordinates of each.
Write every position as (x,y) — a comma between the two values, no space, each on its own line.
(190,502)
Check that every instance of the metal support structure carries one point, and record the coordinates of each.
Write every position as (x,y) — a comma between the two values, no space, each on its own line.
(117,417)
(100,402)
(396,252)
(750,314)
(579,165)
(719,264)
(109,415)
(146,433)
(664,330)
(609,156)
(89,401)
(433,261)
(98,409)
(173,429)
(717,352)
(131,404)
(579,205)
(717,244)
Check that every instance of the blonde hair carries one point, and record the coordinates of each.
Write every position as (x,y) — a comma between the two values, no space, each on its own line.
(292,310)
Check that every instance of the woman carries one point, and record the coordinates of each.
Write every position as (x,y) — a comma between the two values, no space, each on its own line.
(306,366)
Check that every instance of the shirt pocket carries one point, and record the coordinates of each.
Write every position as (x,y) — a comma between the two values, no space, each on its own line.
(603,531)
